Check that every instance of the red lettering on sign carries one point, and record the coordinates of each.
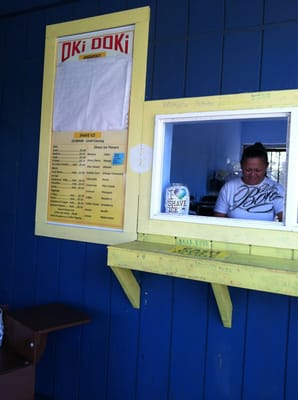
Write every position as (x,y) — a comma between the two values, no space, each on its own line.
(96,43)
(70,49)
(65,51)
(75,47)
(117,42)
(118,45)
(108,42)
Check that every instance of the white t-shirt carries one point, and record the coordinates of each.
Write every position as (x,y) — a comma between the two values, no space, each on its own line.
(262,201)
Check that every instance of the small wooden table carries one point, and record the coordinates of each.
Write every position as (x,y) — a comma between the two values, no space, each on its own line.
(25,340)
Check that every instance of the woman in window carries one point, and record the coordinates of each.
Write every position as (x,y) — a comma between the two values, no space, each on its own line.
(253,195)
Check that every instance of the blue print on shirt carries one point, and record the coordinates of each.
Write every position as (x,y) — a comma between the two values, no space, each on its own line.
(255,199)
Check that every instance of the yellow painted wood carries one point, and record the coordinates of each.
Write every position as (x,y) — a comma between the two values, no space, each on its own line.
(241,101)
(231,247)
(224,303)
(143,237)
(129,284)
(268,274)
(271,252)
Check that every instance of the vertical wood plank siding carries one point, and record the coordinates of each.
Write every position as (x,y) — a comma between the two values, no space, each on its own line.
(174,347)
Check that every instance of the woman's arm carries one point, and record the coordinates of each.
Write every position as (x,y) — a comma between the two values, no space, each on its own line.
(218,214)
(221,203)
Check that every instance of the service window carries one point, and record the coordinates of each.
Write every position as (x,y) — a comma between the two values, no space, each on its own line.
(197,145)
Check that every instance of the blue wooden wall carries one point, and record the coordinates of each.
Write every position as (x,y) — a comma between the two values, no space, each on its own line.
(174,347)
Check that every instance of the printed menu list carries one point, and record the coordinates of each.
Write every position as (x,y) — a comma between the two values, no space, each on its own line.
(87,179)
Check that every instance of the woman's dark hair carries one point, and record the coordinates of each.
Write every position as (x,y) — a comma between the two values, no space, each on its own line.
(256,150)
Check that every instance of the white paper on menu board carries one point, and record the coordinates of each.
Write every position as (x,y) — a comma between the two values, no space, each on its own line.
(93,94)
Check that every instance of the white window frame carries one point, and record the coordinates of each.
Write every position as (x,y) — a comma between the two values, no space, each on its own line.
(161,114)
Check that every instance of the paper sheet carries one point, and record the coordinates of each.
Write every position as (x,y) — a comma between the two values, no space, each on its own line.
(93,94)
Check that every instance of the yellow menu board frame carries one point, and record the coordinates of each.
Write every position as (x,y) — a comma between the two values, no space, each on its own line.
(110,215)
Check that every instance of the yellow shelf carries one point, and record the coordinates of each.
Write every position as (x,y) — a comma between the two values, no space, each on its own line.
(219,268)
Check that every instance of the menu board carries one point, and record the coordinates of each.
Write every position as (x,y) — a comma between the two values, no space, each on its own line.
(90,129)
(87,178)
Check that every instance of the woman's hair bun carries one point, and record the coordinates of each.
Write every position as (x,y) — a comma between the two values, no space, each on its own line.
(255,150)
(259,146)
